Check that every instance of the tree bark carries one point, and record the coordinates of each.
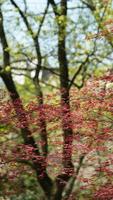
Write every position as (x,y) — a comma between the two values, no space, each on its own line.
(39,165)
(64,85)
(41,121)
(62,179)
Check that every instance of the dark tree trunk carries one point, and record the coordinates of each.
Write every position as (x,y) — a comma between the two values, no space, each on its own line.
(62,179)
(39,165)
(64,85)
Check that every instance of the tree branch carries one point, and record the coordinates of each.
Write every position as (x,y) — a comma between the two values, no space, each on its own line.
(54,6)
(35,38)
(78,71)
(39,165)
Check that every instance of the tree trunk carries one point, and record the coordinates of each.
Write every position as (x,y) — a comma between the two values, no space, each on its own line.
(39,165)
(64,86)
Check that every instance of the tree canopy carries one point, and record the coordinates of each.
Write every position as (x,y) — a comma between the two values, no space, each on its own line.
(56,99)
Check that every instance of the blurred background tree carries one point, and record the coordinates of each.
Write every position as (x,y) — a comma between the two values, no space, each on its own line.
(44,50)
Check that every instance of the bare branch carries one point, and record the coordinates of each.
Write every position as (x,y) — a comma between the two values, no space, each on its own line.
(78,71)
(54,6)
(91,6)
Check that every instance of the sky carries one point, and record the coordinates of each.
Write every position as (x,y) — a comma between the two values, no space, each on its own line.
(38,7)
(34,7)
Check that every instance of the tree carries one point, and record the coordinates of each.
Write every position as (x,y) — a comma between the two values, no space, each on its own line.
(38,158)
(91,120)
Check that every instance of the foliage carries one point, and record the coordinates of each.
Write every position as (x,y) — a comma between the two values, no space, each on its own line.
(91,119)
(56,120)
